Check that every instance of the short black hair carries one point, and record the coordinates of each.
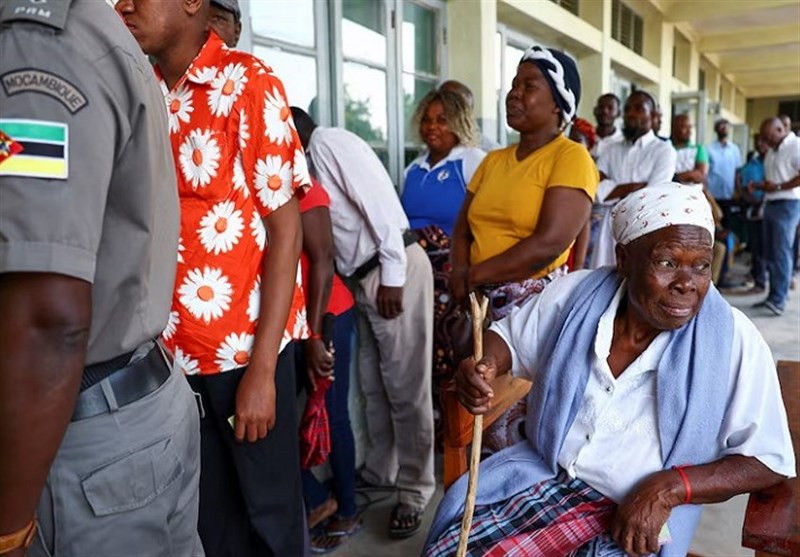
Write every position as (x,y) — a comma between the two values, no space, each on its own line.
(609,96)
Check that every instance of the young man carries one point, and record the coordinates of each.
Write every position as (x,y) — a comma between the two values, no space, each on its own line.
(625,167)
(236,304)
(691,166)
(606,112)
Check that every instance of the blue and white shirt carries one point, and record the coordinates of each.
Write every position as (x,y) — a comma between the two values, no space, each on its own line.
(434,195)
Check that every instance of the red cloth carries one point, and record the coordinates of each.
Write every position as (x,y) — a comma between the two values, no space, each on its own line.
(315,436)
(341,299)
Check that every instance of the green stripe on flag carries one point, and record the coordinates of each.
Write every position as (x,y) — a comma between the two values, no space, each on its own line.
(20,130)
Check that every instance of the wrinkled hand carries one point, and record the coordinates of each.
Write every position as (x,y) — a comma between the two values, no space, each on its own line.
(255,406)
(768,186)
(473,384)
(319,361)
(643,512)
(389,301)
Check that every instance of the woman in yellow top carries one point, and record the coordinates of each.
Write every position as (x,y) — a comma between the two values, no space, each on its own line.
(527,202)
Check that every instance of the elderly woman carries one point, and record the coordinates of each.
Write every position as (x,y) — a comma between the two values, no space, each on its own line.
(434,188)
(651,395)
(527,202)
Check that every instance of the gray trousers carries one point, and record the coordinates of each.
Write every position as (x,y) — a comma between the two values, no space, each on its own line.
(394,363)
(126,483)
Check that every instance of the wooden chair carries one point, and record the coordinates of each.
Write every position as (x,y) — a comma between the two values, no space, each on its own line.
(772,520)
(458,422)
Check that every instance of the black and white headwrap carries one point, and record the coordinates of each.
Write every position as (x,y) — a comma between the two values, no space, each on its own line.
(561,73)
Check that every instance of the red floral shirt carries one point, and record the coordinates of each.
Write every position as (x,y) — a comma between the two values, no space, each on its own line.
(238,158)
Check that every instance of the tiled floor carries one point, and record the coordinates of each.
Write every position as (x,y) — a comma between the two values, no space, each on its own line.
(719,532)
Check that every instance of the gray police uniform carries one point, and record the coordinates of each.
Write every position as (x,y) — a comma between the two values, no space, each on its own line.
(91,194)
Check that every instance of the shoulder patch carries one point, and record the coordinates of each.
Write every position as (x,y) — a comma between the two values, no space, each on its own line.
(52,13)
(44,149)
(29,80)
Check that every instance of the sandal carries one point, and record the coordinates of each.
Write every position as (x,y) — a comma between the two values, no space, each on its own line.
(336,533)
(320,513)
(343,526)
(323,543)
(405,521)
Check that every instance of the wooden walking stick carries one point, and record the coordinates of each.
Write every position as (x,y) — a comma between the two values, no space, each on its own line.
(478,315)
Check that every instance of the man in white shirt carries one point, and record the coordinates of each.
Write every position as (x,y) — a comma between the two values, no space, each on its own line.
(625,167)
(782,212)
(394,295)
(606,112)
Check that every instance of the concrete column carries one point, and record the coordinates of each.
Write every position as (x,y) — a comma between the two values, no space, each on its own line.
(595,69)
(667,42)
(471,29)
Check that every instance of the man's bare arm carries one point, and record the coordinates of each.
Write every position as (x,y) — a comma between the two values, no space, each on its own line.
(43,338)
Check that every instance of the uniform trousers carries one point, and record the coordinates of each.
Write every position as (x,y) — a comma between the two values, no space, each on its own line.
(250,494)
(125,482)
(394,364)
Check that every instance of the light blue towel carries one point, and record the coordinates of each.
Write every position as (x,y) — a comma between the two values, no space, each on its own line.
(693,376)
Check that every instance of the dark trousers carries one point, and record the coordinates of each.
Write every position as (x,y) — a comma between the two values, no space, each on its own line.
(343,453)
(250,493)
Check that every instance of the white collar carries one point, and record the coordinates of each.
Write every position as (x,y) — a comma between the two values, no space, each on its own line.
(455,153)
(644,140)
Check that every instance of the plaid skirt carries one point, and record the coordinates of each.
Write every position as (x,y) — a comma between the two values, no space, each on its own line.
(553,518)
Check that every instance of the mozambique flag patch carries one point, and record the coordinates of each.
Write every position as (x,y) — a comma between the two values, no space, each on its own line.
(44,149)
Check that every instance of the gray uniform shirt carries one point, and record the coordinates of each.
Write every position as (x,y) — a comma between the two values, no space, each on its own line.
(92,194)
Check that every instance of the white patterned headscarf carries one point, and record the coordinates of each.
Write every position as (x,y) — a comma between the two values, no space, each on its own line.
(659,206)
(561,73)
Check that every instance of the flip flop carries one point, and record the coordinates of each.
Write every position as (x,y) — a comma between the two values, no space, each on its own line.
(332,540)
(341,526)
(405,521)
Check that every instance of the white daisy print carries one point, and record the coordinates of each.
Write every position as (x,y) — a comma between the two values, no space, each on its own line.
(234,351)
(199,157)
(181,248)
(258,230)
(254,301)
(221,228)
(287,338)
(300,167)
(204,75)
(172,325)
(206,294)
(179,107)
(300,328)
(239,179)
(273,181)
(277,117)
(188,365)
(244,130)
(226,88)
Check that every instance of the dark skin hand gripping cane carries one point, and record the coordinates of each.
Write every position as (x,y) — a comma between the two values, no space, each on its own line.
(478,315)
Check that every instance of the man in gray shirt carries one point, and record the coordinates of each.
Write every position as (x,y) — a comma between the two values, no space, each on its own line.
(94,425)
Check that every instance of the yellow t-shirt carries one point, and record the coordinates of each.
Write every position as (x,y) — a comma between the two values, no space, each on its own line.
(509,194)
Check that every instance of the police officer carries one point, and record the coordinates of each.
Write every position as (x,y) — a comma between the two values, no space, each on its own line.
(95,426)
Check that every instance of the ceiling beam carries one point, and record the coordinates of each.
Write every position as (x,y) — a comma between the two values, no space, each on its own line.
(741,64)
(772,77)
(692,10)
(762,91)
(756,37)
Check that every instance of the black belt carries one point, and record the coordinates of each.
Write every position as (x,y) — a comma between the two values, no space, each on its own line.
(128,384)
(409,237)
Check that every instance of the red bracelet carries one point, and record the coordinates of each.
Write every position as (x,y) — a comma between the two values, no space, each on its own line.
(687,486)
(315,336)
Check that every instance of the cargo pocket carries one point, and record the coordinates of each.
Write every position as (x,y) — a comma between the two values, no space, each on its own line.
(134,480)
